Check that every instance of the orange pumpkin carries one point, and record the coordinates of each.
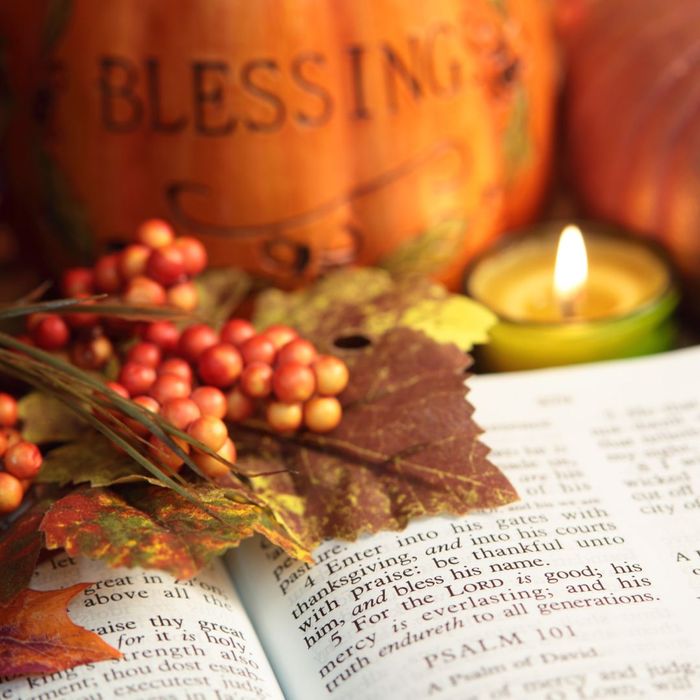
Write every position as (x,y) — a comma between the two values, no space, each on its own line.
(291,135)
(632,118)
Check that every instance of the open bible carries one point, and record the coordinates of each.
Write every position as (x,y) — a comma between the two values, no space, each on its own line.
(587,588)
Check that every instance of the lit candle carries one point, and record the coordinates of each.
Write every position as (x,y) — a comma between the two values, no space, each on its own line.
(563,297)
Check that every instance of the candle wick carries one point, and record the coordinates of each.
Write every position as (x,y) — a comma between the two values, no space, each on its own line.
(568,307)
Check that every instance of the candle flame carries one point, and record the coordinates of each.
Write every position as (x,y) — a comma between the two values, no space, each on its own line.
(570,269)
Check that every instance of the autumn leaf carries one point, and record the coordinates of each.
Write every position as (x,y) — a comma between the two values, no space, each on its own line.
(20,545)
(368,302)
(37,636)
(220,292)
(407,446)
(92,459)
(46,419)
(155,528)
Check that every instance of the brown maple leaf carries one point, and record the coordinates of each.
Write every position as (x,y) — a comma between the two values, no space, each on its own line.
(37,636)
(156,528)
(20,545)
(407,446)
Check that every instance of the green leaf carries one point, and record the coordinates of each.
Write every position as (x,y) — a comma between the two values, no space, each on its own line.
(92,459)
(46,419)
(369,302)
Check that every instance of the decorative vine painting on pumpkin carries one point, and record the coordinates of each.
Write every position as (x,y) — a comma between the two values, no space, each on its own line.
(325,133)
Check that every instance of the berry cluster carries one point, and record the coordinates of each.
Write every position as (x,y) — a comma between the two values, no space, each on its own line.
(21,459)
(156,270)
(198,378)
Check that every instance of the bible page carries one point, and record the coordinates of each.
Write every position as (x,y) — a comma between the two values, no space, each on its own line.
(587,588)
(180,640)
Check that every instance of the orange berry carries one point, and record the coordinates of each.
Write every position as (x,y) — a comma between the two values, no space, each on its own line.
(136,378)
(195,340)
(220,365)
(166,456)
(166,265)
(211,466)
(176,365)
(93,353)
(148,354)
(332,375)
(23,460)
(322,414)
(132,261)
(8,410)
(164,334)
(299,350)
(236,331)
(148,403)
(211,401)
(144,290)
(258,349)
(256,380)
(280,335)
(183,296)
(180,412)
(4,443)
(284,417)
(11,493)
(170,386)
(155,233)
(210,431)
(293,382)
(239,407)
(194,254)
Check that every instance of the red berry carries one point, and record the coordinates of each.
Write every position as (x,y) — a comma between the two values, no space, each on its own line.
(155,233)
(8,410)
(195,340)
(78,281)
(148,403)
(284,417)
(194,253)
(166,265)
(211,401)
(258,349)
(212,467)
(82,319)
(164,334)
(11,493)
(23,460)
(184,296)
(148,354)
(176,365)
(93,353)
(144,290)
(236,331)
(332,375)
(170,386)
(322,413)
(280,335)
(132,261)
(239,407)
(165,456)
(298,350)
(136,378)
(293,382)
(180,412)
(256,380)
(210,431)
(107,277)
(220,365)
(118,388)
(51,333)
